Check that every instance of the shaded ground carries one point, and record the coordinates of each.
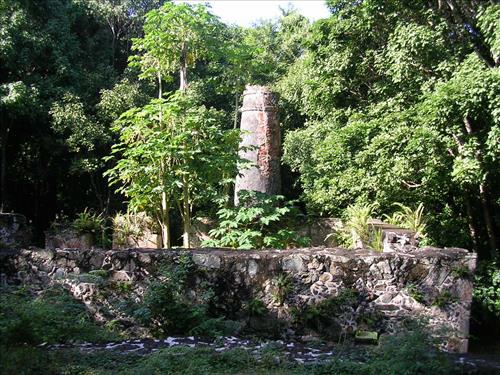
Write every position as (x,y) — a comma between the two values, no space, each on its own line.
(474,363)
(294,352)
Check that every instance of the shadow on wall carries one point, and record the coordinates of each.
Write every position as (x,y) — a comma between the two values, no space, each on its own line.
(303,293)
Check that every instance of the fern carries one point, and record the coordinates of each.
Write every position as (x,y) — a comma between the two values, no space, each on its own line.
(408,218)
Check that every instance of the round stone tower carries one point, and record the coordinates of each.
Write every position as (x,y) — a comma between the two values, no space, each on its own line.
(260,143)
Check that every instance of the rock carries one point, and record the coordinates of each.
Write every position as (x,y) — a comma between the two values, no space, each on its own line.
(43,254)
(293,263)
(84,291)
(325,277)
(60,273)
(121,276)
(384,298)
(253,268)
(144,258)
(207,260)
(96,260)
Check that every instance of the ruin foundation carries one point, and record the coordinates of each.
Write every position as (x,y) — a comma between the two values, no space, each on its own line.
(385,291)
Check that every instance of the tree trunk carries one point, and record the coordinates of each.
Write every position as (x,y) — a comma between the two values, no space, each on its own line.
(186,216)
(226,190)
(471,223)
(165,204)
(186,209)
(236,110)
(183,78)
(165,222)
(113,39)
(183,70)
(97,192)
(488,219)
(165,236)
(460,12)
(4,134)
(113,49)
(483,196)
(160,87)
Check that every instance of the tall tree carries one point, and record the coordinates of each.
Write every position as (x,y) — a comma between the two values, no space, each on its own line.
(399,108)
(176,36)
(124,19)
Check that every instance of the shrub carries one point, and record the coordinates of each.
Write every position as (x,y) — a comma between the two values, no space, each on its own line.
(164,311)
(89,222)
(357,229)
(415,292)
(461,272)
(377,240)
(261,221)
(27,361)
(412,352)
(167,309)
(194,361)
(256,307)
(322,316)
(444,298)
(282,287)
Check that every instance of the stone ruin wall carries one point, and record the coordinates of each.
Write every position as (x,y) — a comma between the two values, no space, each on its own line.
(390,289)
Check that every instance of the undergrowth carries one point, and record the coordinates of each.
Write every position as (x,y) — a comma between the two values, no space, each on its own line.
(409,354)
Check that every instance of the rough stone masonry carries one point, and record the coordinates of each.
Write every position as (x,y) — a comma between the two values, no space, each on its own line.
(348,290)
(260,143)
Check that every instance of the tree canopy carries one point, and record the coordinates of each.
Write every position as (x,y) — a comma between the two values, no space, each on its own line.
(382,102)
(401,105)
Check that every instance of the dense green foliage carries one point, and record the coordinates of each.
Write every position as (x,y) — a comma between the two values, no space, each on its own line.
(62,83)
(358,229)
(88,222)
(175,38)
(384,101)
(400,101)
(487,287)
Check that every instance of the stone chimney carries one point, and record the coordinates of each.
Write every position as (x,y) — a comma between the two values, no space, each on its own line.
(260,141)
